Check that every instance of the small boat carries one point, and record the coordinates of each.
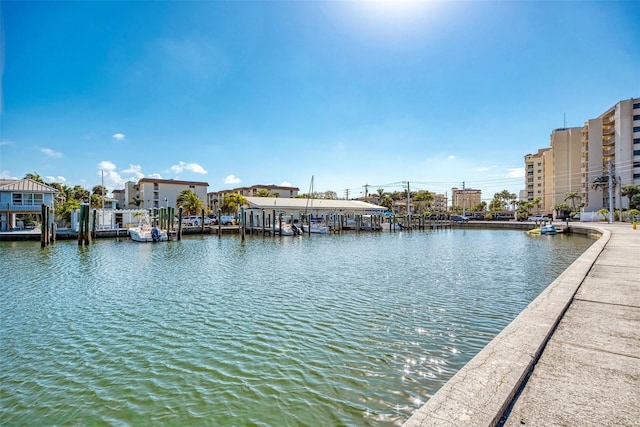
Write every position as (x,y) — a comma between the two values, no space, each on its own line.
(547,229)
(144,232)
(316,227)
(286,230)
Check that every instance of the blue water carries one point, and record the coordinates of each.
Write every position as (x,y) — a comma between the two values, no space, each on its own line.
(321,330)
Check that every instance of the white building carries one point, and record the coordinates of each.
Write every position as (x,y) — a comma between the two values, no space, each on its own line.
(157,193)
(611,147)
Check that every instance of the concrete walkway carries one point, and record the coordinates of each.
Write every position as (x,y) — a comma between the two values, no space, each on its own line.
(589,372)
(571,358)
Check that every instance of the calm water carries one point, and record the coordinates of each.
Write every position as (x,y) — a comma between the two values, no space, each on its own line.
(331,330)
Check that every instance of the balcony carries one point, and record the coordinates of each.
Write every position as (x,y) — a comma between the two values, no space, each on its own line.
(609,141)
(608,130)
(608,152)
(5,206)
(609,120)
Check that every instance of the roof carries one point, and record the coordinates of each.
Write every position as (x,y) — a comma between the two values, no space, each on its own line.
(172,181)
(301,204)
(25,185)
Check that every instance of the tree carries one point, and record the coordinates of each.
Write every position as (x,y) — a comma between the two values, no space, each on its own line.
(506,198)
(264,193)
(136,202)
(380,192)
(480,207)
(572,195)
(387,202)
(602,183)
(190,202)
(631,190)
(232,202)
(81,194)
(34,177)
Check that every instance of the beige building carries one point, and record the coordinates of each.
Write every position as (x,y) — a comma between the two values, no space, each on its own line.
(537,187)
(156,193)
(608,145)
(611,147)
(467,198)
(566,156)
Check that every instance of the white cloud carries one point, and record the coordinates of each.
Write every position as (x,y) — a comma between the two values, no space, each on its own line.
(7,175)
(515,172)
(285,184)
(118,136)
(451,157)
(134,171)
(49,152)
(155,175)
(5,142)
(60,179)
(232,179)
(192,167)
(106,165)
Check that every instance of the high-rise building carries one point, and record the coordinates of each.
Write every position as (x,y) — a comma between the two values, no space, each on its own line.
(610,153)
(534,175)
(565,176)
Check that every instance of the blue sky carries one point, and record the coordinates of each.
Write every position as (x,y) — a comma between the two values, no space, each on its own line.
(273,92)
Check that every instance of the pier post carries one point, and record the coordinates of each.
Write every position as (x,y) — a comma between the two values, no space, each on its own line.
(179,236)
(242,222)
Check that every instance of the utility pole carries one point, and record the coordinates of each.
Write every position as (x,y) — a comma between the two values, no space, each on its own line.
(463,200)
(346,193)
(610,169)
(408,198)
(366,192)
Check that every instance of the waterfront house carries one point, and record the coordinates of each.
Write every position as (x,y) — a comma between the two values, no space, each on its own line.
(22,199)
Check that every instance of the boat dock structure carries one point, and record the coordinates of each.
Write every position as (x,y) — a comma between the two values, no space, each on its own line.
(572,356)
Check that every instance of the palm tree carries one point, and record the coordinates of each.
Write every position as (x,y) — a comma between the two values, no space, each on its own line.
(380,192)
(232,202)
(264,193)
(34,177)
(630,191)
(190,202)
(572,195)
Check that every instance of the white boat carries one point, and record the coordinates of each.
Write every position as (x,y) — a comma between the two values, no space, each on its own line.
(144,232)
(317,228)
(287,230)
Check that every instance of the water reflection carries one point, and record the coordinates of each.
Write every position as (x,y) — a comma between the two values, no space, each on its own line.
(327,330)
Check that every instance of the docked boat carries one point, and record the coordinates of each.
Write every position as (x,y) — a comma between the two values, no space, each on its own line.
(144,232)
(547,229)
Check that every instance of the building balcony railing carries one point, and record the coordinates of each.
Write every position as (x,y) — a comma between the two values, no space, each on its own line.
(609,141)
(609,119)
(19,208)
(609,151)
(609,130)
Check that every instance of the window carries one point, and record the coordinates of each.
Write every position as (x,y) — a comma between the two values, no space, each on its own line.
(192,186)
(636,152)
(636,140)
(636,105)
(26,199)
(636,128)
(636,117)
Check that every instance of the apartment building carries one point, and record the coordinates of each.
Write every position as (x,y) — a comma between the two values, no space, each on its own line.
(610,148)
(565,173)
(156,193)
(537,187)
(466,198)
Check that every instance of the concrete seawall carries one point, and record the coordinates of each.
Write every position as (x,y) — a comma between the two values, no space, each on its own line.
(508,382)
